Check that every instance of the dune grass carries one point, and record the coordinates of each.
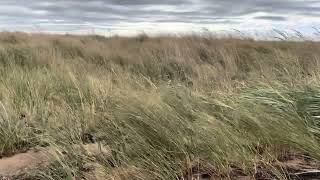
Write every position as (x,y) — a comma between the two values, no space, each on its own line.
(166,108)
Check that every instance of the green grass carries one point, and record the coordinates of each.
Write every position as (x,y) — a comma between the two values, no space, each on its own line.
(166,108)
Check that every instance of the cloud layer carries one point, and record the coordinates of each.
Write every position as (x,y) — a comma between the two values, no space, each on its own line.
(130,16)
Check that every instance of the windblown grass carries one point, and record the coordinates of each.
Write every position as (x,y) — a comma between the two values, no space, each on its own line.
(166,108)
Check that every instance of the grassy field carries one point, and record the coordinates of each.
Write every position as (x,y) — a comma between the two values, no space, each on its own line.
(163,108)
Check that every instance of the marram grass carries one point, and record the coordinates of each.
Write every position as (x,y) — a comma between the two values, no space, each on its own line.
(165,108)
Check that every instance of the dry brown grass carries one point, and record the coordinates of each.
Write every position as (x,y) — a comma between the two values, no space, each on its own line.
(167,107)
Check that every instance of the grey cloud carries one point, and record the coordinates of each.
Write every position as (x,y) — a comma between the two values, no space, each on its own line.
(111,13)
(146,2)
(271,18)
(243,7)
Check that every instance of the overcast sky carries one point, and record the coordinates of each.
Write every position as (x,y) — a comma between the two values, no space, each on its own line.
(130,16)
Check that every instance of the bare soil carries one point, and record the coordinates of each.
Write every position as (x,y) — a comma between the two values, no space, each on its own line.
(24,162)
(32,160)
(294,167)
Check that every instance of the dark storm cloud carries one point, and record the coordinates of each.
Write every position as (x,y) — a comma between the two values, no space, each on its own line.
(113,13)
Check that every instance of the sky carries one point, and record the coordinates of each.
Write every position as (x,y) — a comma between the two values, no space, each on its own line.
(127,17)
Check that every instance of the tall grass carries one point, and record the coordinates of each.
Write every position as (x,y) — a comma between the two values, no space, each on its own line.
(165,108)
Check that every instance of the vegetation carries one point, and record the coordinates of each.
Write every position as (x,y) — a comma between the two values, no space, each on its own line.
(165,107)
